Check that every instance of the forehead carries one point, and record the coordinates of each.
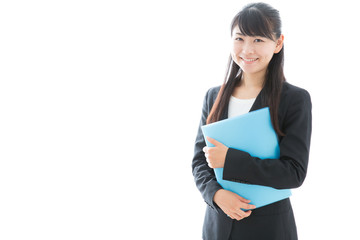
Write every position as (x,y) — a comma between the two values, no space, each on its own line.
(237,32)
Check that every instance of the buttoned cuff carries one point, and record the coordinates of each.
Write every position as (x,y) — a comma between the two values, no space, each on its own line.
(235,165)
(209,198)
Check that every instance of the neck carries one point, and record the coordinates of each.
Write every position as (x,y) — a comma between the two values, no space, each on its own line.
(253,80)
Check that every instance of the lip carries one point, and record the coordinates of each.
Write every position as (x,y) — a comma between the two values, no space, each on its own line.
(249,60)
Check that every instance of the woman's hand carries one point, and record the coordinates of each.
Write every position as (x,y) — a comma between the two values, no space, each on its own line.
(231,204)
(215,156)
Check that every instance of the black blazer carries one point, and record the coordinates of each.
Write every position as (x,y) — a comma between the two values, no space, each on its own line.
(288,171)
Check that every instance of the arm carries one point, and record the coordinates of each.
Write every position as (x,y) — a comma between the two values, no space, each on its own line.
(204,176)
(214,195)
(289,170)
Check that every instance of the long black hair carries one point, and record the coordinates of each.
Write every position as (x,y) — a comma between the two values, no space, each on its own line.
(255,19)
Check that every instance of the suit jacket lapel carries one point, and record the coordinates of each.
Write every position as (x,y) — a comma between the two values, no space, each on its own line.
(258,101)
(257,105)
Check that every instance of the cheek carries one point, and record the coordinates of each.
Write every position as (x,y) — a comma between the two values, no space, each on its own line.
(233,55)
(268,51)
(266,54)
(235,50)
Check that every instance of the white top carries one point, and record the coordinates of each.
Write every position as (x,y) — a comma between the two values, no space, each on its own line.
(239,106)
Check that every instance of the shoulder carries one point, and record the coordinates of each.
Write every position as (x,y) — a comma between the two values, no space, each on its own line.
(292,94)
(211,95)
(213,91)
(295,102)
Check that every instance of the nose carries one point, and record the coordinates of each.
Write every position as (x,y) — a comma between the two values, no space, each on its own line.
(248,48)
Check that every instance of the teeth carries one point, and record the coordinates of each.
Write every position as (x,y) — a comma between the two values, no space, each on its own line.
(250,60)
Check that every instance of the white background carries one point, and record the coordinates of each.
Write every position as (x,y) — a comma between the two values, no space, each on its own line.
(100,103)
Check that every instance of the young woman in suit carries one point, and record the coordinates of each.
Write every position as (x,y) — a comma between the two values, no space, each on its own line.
(254,80)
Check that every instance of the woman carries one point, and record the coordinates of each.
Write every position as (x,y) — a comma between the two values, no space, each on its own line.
(254,80)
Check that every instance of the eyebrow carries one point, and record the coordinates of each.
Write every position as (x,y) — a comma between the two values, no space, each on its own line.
(250,36)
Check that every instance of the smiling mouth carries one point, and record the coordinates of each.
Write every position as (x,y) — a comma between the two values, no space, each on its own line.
(249,59)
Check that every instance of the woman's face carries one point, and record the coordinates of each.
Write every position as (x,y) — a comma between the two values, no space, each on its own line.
(253,54)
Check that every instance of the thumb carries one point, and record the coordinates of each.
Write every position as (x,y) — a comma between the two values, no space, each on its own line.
(213,141)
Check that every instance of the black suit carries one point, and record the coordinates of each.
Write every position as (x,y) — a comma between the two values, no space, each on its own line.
(275,221)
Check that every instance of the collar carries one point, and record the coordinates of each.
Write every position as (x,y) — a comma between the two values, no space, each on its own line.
(257,105)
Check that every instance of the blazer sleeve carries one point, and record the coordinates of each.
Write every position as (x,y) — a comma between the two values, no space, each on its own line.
(289,170)
(204,176)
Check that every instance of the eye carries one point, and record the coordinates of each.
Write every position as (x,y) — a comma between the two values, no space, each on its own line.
(239,39)
(258,40)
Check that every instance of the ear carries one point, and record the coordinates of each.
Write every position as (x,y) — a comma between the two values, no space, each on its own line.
(279,44)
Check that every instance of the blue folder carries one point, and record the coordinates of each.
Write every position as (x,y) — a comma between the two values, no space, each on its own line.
(253,133)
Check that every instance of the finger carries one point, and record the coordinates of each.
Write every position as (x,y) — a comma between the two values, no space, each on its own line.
(229,216)
(243,199)
(247,213)
(205,149)
(237,216)
(241,218)
(245,203)
(248,206)
(240,213)
(209,163)
(213,141)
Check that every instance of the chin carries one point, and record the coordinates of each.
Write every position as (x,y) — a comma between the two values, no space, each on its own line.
(248,70)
